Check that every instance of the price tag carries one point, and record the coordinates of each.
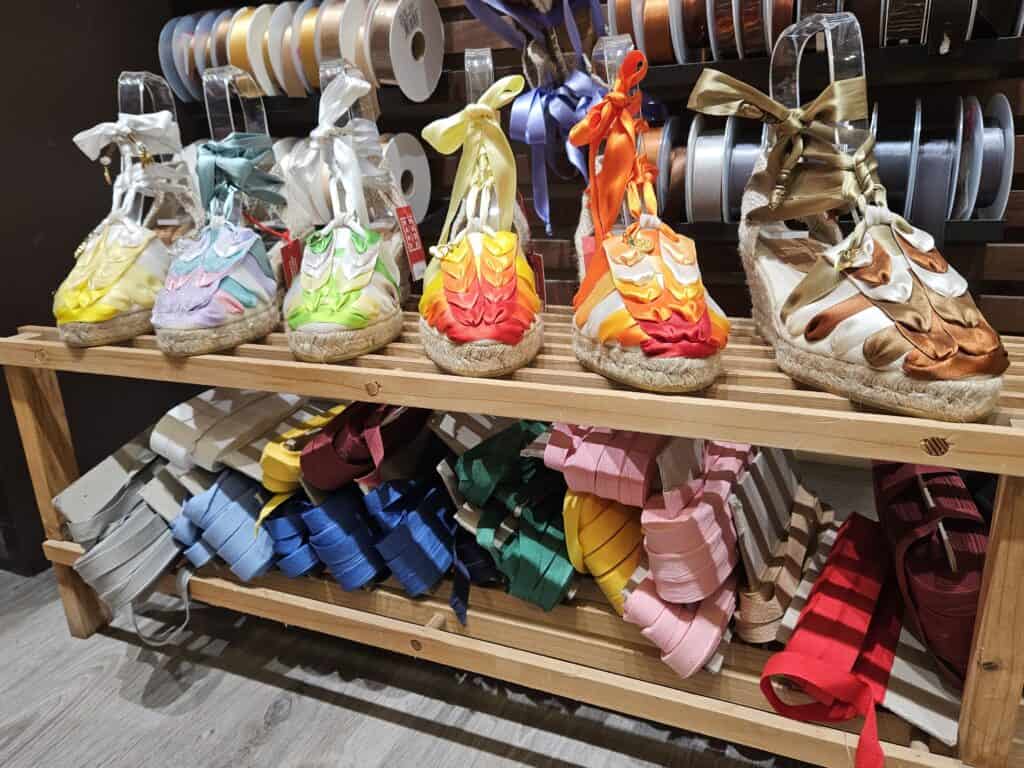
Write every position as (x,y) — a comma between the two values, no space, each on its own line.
(291,261)
(413,245)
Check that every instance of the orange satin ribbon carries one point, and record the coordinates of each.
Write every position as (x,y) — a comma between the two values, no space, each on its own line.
(657,34)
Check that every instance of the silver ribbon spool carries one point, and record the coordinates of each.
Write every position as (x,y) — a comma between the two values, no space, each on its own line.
(741,157)
(938,156)
(997,161)
(705,168)
(670,137)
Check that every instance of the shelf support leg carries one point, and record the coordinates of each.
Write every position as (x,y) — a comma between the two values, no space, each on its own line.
(995,674)
(46,440)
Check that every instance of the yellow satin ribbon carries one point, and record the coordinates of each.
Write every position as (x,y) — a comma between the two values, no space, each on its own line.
(268,509)
(280,458)
(603,538)
(852,178)
(477,130)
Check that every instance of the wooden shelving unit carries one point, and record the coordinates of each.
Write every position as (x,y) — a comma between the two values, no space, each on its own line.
(581,649)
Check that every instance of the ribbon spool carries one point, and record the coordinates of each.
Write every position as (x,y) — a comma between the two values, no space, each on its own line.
(1000,17)
(705,159)
(404,45)
(279,42)
(304,44)
(201,41)
(659,46)
(258,44)
(805,8)
(740,158)
(663,151)
(899,140)
(165,49)
(972,155)
(688,27)
(904,22)
(405,157)
(997,159)
(218,43)
(938,155)
(871,15)
(949,23)
(751,30)
(184,58)
(327,33)
(778,15)
(722,29)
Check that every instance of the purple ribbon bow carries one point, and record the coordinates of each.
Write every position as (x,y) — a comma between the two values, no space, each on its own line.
(492,13)
(542,118)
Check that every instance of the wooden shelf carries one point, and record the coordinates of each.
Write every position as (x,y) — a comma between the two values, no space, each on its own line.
(752,402)
(581,649)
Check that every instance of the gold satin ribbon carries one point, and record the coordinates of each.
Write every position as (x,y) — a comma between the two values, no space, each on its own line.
(603,538)
(238,40)
(330,28)
(307,47)
(477,130)
(219,42)
(292,82)
(801,132)
(267,62)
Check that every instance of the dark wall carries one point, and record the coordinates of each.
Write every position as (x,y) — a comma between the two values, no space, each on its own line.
(60,71)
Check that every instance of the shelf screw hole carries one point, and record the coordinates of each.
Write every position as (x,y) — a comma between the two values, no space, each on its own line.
(416,645)
(990,666)
(40,356)
(935,446)
(373,388)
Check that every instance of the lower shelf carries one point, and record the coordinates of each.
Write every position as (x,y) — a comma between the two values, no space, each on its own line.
(581,650)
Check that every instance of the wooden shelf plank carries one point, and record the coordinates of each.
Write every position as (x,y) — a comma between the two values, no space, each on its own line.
(753,402)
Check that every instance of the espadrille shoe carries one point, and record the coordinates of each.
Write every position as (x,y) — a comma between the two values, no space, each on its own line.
(878,316)
(479,310)
(119,268)
(642,315)
(221,290)
(347,300)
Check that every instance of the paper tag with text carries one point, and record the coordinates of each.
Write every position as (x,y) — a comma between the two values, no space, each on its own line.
(291,261)
(413,245)
(536,262)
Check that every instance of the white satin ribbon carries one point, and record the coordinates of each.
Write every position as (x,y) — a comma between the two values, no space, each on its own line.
(156,131)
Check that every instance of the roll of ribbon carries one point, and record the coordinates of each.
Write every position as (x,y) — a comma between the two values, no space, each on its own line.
(740,166)
(657,32)
(871,15)
(704,169)
(353,31)
(670,180)
(904,22)
(405,45)
(327,42)
(958,151)
(167,65)
(695,24)
(184,59)
(304,44)
(722,29)
(949,23)
(998,159)
(258,45)
(935,170)
(972,156)
(893,152)
(201,38)
(219,39)
(620,19)
(279,40)
(778,16)
(238,38)
(1000,17)
(807,8)
(407,160)
(751,27)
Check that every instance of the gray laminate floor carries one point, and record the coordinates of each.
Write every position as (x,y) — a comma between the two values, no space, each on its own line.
(238,692)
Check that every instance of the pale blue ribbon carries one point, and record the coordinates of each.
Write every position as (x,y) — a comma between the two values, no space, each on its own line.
(230,165)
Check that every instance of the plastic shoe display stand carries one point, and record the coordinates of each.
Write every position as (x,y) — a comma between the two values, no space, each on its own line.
(581,649)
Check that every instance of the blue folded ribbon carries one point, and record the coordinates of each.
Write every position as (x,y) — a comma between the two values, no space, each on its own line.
(342,540)
(287,530)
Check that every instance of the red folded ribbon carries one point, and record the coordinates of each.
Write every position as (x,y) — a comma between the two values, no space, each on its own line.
(842,650)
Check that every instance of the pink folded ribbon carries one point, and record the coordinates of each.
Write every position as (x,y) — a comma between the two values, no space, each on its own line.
(687,636)
(612,464)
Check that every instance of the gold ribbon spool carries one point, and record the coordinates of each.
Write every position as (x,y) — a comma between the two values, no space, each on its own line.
(391,26)
(292,84)
(238,39)
(657,34)
(328,29)
(218,42)
(307,47)
(267,62)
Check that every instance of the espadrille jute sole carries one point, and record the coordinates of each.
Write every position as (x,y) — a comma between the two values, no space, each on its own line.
(893,391)
(481,358)
(335,346)
(671,375)
(205,341)
(120,328)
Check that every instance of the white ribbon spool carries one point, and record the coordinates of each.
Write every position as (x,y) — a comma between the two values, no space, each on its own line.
(404,44)
(407,161)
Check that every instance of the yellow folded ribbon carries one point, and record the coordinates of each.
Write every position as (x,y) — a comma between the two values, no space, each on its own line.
(280,458)
(604,539)
(477,130)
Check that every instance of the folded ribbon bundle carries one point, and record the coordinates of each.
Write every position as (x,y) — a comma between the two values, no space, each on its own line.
(613,464)
(280,457)
(282,519)
(353,446)
(342,539)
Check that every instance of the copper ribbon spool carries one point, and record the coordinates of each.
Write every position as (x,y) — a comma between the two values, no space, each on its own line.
(307,47)
(695,24)
(624,17)
(217,45)
(651,143)
(869,14)
(782,17)
(674,206)
(330,20)
(725,31)
(657,33)
(752,27)
(238,43)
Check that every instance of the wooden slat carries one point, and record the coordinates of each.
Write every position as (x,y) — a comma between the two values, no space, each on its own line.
(556,388)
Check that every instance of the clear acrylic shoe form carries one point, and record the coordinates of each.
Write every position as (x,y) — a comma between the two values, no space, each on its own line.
(479,65)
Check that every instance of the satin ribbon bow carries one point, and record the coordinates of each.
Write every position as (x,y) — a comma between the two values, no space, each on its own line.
(612,121)
(230,165)
(542,118)
(477,130)
(720,95)
(156,133)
